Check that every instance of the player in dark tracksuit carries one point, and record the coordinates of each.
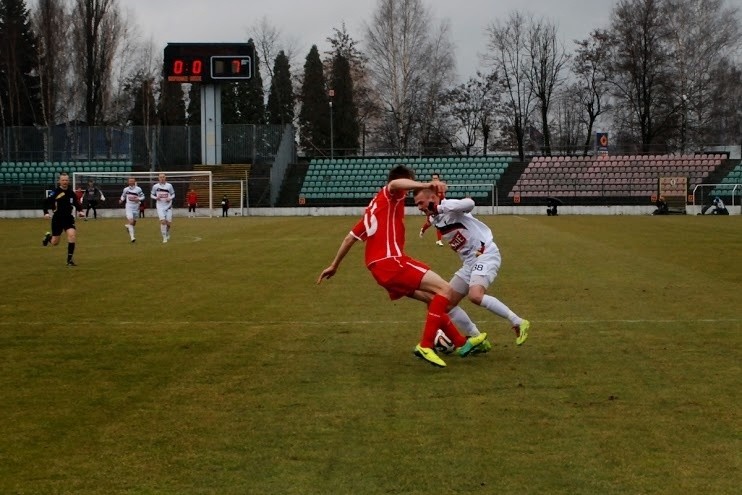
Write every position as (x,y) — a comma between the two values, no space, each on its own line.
(92,195)
(63,202)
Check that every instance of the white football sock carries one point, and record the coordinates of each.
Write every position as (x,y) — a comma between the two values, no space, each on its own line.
(462,321)
(498,307)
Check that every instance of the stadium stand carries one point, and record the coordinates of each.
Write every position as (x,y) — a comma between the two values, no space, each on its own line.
(728,183)
(614,176)
(359,178)
(46,172)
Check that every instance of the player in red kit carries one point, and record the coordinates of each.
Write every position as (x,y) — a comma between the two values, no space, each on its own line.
(383,231)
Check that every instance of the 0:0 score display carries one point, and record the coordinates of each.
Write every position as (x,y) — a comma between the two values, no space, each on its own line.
(207,62)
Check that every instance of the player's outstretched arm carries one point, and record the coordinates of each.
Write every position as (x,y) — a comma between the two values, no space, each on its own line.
(344,248)
(408,184)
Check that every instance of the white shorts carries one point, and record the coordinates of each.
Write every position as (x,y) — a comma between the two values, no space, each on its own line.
(165,212)
(132,212)
(482,271)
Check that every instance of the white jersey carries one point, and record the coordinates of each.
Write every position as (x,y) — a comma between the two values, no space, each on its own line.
(164,194)
(133,196)
(465,234)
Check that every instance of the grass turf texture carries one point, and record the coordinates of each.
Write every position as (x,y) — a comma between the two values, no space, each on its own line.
(214,364)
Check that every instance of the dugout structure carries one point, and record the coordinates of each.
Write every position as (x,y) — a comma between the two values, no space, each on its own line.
(113,183)
(674,190)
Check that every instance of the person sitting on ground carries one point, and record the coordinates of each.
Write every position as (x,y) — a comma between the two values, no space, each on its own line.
(661,207)
(551,211)
(715,208)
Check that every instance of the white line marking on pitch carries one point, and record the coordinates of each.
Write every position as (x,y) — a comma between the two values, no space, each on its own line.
(362,322)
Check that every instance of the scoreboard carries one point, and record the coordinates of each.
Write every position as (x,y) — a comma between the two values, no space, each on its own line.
(208,62)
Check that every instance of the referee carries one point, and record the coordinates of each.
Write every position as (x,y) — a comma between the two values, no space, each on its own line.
(62,201)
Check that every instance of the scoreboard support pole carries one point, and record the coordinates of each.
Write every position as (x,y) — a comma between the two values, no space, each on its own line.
(211,124)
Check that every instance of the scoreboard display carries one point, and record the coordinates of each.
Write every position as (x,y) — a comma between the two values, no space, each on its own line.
(208,63)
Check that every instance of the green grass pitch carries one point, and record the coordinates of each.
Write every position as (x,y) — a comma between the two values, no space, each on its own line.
(215,365)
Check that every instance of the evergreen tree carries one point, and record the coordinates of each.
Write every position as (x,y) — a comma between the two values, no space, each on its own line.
(243,102)
(281,98)
(232,104)
(193,120)
(20,93)
(171,109)
(172,117)
(144,111)
(193,112)
(345,113)
(365,100)
(314,117)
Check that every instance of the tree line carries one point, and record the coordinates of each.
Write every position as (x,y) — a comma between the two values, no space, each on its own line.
(662,76)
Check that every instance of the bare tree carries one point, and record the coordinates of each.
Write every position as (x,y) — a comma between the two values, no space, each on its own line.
(568,119)
(643,84)
(96,35)
(408,67)
(436,134)
(509,56)
(591,92)
(473,104)
(703,33)
(726,105)
(269,41)
(51,22)
(547,59)
(135,58)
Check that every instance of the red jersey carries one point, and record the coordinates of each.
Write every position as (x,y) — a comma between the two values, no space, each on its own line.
(382,226)
(191,198)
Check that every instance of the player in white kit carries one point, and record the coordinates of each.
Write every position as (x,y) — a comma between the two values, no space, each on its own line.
(131,197)
(164,194)
(473,242)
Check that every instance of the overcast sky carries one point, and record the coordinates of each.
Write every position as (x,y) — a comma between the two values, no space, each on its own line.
(311,22)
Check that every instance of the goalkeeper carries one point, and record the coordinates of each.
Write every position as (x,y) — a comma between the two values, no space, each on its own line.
(92,195)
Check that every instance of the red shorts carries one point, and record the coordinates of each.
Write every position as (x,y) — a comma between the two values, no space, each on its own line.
(399,276)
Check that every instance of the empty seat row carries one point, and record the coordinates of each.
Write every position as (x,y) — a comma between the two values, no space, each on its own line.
(412,160)
(702,156)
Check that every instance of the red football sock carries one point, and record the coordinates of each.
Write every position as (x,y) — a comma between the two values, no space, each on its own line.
(438,234)
(436,310)
(451,331)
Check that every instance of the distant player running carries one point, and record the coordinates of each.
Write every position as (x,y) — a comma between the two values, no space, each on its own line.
(164,194)
(132,196)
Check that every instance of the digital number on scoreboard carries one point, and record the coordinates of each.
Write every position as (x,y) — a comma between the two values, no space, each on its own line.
(208,62)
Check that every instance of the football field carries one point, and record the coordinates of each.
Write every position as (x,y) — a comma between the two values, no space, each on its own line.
(214,364)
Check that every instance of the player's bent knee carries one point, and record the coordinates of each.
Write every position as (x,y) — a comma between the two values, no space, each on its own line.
(476,298)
